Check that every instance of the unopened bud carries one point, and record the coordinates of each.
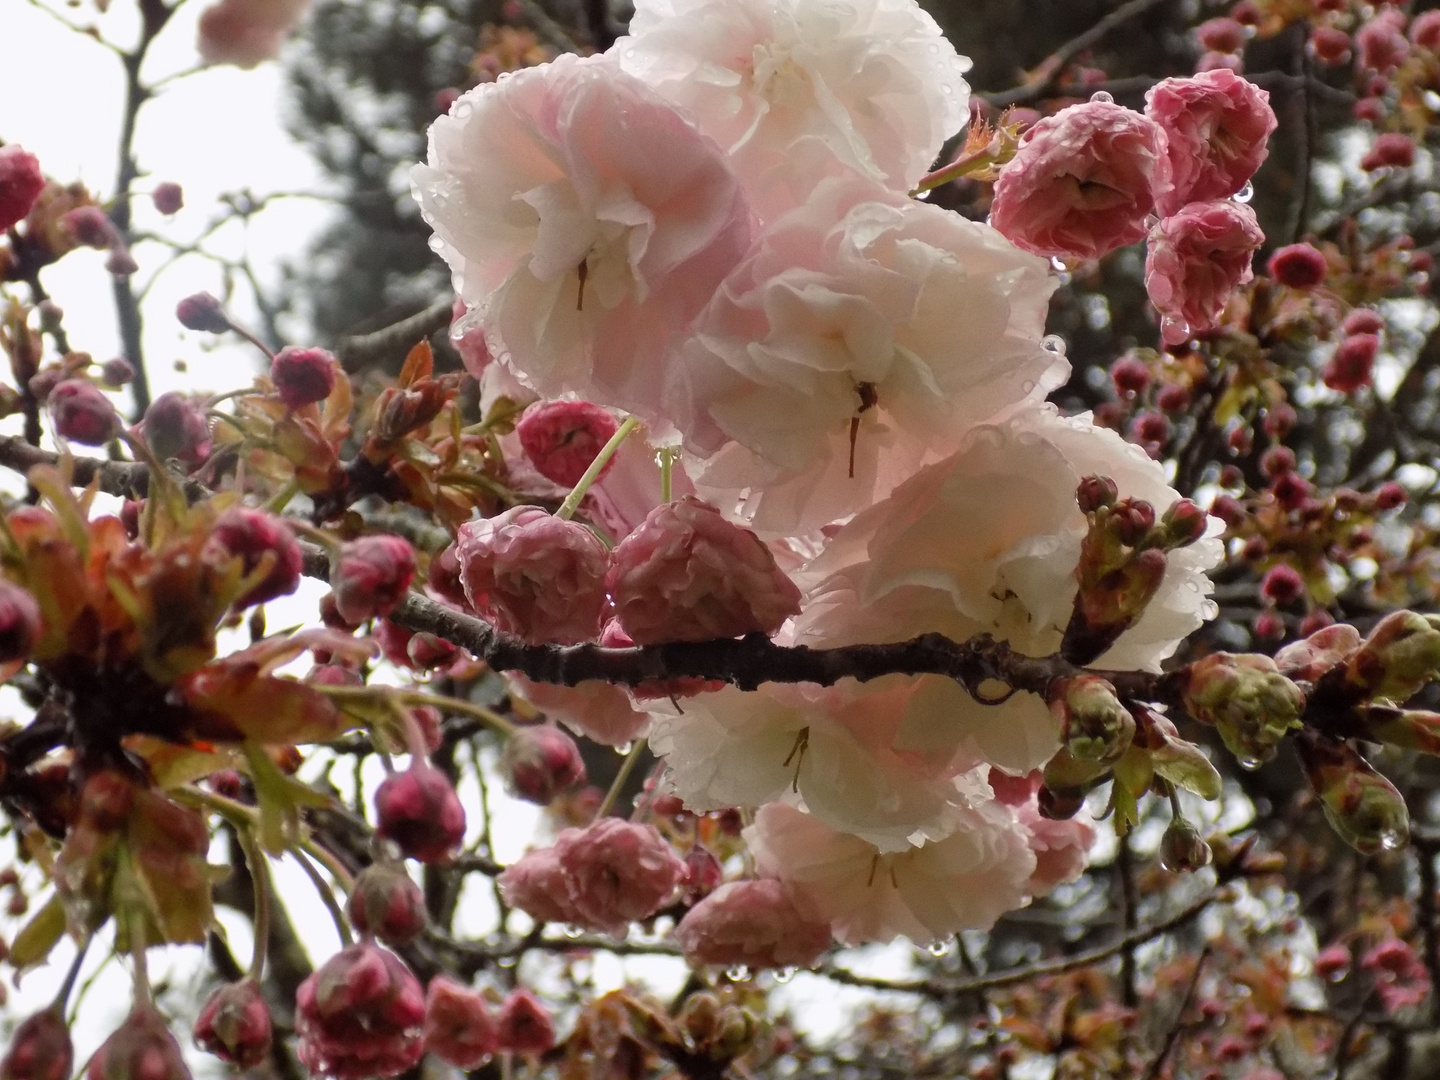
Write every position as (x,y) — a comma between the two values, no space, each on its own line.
(735,1033)
(142,1048)
(524,1025)
(700,1018)
(19,622)
(1312,657)
(120,262)
(419,810)
(168,197)
(1400,656)
(1107,605)
(371,576)
(234,1025)
(1248,701)
(82,413)
(176,429)
(458,1026)
(201,311)
(303,376)
(1132,520)
(1094,725)
(385,902)
(1096,492)
(540,761)
(1184,523)
(1361,805)
(1409,729)
(117,371)
(90,226)
(40,1049)
(1180,761)
(1182,849)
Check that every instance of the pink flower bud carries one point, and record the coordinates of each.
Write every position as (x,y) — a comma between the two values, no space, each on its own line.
(423,652)
(1391,150)
(1197,258)
(535,575)
(387,904)
(360,1015)
(1333,962)
(687,574)
(561,438)
(1130,374)
(1369,109)
(201,311)
(82,413)
(1291,490)
(1279,419)
(120,262)
(20,623)
(1380,44)
(1080,184)
(234,1024)
(1216,128)
(117,371)
(540,761)
(1390,496)
(371,576)
(1283,584)
(21,183)
(524,1025)
(470,344)
(168,197)
(703,873)
(90,226)
(1229,510)
(1095,493)
(1173,398)
(1299,266)
(252,534)
(40,1048)
(1364,320)
(1216,61)
(176,429)
(1314,622)
(458,1026)
(536,884)
(618,872)
(419,810)
(1330,46)
(1220,35)
(142,1048)
(754,923)
(303,376)
(1350,367)
(1425,30)
(1150,427)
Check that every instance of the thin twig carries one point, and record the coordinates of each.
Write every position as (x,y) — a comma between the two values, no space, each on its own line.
(1173,1035)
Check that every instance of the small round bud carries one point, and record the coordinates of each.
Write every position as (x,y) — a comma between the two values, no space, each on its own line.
(1150,427)
(1280,420)
(1391,495)
(1282,584)
(1363,321)
(387,904)
(540,761)
(371,577)
(1173,398)
(250,535)
(142,1048)
(82,413)
(201,311)
(1277,461)
(40,1048)
(303,376)
(524,1025)
(1350,366)
(458,1026)
(90,226)
(1299,266)
(1130,375)
(1332,963)
(176,429)
(1291,490)
(21,183)
(1182,849)
(120,262)
(562,438)
(1329,45)
(419,810)
(1184,523)
(1220,35)
(1095,492)
(1229,510)
(234,1025)
(168,197)
(1268,626)
(117,371)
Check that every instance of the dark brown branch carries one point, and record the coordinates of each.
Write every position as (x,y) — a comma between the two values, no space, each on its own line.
(394,341)
(125,479)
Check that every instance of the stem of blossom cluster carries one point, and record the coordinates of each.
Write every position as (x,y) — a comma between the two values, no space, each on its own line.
(667,468)
(260,878)
(626,768)
(961,166)
(327,896)
(572,501)
(63,994)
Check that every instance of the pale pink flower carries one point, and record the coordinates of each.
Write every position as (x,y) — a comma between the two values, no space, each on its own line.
(687,574)
(1216,128)
(618,872)
(979,871)
(587,220)
(795,90)
(751,923)
(1061,848)
(247,32)
(371,576)
(942,555)
(468,337)
(562,438)
(459,1028)
(1080,185)
(844,313)
(536,884)
(1196,260)
(598,710)
(534,574)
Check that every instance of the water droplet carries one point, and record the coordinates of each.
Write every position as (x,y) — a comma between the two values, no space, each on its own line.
(1053,343)
(462,109)
(923,196)
(1102,96)
(1174,330)
(1027,387)
(1245,194)
(1058,264)
(738,973)
(1390,839)
(940,948)
(1250,764)
(436,244)
(573,932)
(948,88)
(784,975)
(934,48)
(624,748)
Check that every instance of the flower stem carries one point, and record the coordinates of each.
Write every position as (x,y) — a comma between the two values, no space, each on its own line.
(260,876)
(327,897)
(572,501)
(667,466)
(281,498)
(63,994)
(626,768)
(961,166)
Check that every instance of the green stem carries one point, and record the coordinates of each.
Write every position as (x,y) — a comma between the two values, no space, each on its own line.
(667,466)
(281,498)
(961,166)
(141,975)
(572,501)
(327,897)
(260,876)
(626,768)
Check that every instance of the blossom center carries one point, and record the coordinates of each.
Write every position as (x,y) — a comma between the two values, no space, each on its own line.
(778,77)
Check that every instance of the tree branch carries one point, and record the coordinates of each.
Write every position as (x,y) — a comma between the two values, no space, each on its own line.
(364,350)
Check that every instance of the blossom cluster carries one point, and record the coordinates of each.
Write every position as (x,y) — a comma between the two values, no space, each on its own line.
(709,228)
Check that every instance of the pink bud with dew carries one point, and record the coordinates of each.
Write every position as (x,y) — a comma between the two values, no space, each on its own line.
(201,311)
(618,872)
(385,903)
(419,810)
(524,1025)
(687,574)
(459,1028)
(20,623)
(1425,30)
(540,761)
(1391,495)
(1220,35)
(82,413)
(176,429)
(303,376)
(90,226)
(360,1015)
(752,923)
(1282,584)
(562,438)
(1130,374)
(234,1025)
(21,183)
(252,534)
(168,197)
(703,873)
(1299,266)
(40,1048)
(535,575)
(120,262)
(1080,184)
(1196,260)
(1364,320)
(117,371)
(1350,366)
(142,1048)
(1216,128)
(371,576)
(1333,962)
